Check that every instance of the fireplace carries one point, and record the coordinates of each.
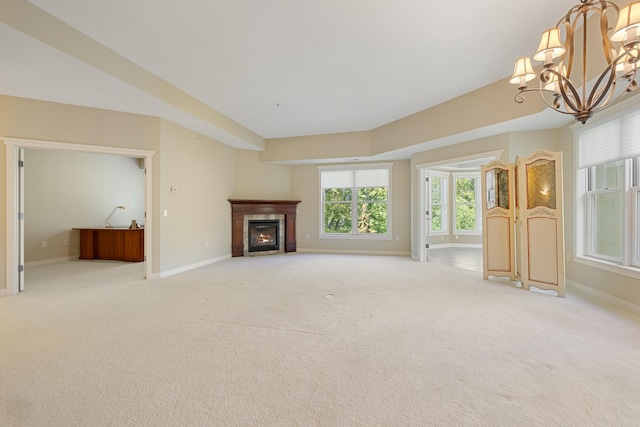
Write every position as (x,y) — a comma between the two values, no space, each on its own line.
(263,236)
(245,210)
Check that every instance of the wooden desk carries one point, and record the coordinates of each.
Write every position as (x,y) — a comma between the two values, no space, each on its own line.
(120,244)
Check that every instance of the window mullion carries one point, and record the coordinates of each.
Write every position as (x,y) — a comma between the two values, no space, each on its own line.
(354,211)
(627,233)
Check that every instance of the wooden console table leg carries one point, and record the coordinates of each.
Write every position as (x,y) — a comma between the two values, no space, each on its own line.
(86,244)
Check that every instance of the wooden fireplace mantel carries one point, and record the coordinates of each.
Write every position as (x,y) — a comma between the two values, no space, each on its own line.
(242,207)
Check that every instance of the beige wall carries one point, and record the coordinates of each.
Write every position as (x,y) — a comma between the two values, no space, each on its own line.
(305,187)
(197,227)
(3,215)
(255,180)
(47,121)
(66,189)
(522,144)
(314,147)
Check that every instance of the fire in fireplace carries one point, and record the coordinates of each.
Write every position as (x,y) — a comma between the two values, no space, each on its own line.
(263,235)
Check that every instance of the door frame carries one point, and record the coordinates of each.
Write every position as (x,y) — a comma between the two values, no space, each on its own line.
(13,236)
(423,171)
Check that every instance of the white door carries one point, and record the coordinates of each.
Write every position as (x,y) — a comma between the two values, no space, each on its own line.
(21,219)
(498,213)
(427,217)
(541,221)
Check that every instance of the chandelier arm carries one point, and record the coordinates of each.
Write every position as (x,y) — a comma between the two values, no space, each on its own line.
(570,30)
(630,86)
(519,97)
(554,106)
(597,96)
(572,102)
(607,46)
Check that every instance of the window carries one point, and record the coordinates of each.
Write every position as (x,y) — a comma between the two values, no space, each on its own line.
(356,201)
(608,192)
(606,211)
(467,204)
(439,186)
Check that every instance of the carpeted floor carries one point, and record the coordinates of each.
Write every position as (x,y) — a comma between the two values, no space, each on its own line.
(310,340)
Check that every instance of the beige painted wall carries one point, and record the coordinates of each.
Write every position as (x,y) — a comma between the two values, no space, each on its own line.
(255,180)
(522,144)
(3,214)
(197,227)
(69,189)
(333,146)
(47,121)
(305,187)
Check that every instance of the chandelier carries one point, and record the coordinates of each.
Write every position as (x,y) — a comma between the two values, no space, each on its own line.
(574,94)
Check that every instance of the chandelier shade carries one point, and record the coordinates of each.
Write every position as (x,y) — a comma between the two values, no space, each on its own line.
(522,72)
(579,91)
(626,30)
(550,46)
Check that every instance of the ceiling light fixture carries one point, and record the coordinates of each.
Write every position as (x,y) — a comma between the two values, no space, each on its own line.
(561,90)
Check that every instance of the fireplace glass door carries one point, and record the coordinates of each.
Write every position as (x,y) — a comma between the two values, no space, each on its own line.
(263,236)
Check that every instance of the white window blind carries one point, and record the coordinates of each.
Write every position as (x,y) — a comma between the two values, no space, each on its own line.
(355,178)
(614,140)
(337,179)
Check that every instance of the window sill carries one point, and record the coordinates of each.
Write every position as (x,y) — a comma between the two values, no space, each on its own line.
(611,267)
(356,236)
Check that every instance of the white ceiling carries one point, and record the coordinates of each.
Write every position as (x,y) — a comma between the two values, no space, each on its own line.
(283,67)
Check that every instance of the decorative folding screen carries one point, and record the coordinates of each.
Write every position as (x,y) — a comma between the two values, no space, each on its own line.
(523,224)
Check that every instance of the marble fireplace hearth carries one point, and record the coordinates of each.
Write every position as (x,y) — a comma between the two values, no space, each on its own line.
(243,210)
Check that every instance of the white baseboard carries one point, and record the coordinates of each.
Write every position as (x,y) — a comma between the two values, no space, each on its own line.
(51,261)
(455,245)
(603,296)
(353,252)
(189,267)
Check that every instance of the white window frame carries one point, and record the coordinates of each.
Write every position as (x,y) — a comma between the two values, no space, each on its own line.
(630,265)
(444,202)
(454,203)
(590,194)
(354,235)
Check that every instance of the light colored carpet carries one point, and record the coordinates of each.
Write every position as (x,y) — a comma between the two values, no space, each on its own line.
(310,340)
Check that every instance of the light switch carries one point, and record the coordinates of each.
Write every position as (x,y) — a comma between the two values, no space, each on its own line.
(165,213)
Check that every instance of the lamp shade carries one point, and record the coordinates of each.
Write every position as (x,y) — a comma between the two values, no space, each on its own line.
(553,83)
(550,46)
(523,71)
(628,19)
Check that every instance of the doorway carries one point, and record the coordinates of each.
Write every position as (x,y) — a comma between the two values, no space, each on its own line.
(14,196)
(443,222)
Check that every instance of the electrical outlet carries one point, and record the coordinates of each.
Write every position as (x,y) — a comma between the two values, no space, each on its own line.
(44,244)
(307,236)
(66,242)
(206,243)
(397,237)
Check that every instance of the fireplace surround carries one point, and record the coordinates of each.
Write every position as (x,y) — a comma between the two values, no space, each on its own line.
(243,209)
